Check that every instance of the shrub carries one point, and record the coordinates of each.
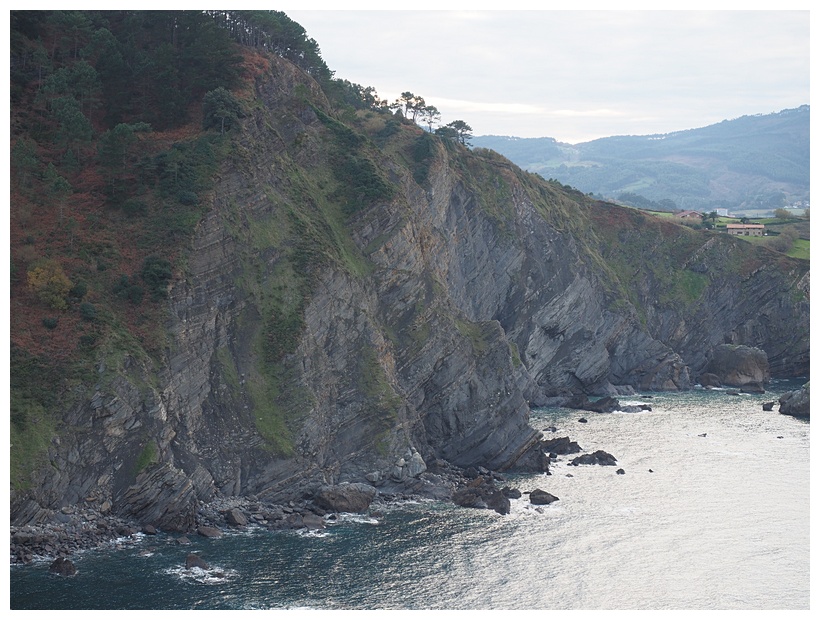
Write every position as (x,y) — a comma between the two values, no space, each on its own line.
(189,199)
(87,311)
(134,207)
(220,109)
(49,282)
(50,322)
(156,273)
(78,291)
(126,288)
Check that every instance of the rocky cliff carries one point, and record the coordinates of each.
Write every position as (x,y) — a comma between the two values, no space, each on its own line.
(359,289)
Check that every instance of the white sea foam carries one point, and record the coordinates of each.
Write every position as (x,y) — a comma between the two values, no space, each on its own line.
(210,576)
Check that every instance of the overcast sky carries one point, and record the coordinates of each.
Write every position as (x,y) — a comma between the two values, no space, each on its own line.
(572,75)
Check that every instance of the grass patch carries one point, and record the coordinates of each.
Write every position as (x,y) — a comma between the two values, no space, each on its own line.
(147,457)
(515,355)
(688,287)
(280,400)
(30,433)
(269,419)
(476,334)
(800,249)
(381,398)
(228,369)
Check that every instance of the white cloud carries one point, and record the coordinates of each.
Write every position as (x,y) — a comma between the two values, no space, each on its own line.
(571,73)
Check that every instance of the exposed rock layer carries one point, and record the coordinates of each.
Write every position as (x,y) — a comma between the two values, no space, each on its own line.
(312,343)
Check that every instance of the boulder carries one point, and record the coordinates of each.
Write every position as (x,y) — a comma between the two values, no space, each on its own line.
(607,404)
(63,567)
(739,365)
(482,494)
(345,497)
(796,403)
(410,465)
(542,497)
(709,379)
(313,521)
(208,532)
(511,493)
(599,457)
(753,388)
(561,445)
(415,464)
(235,517)
(768,406)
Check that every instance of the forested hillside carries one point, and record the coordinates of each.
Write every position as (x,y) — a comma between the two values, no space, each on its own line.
(748,164)
(119,124)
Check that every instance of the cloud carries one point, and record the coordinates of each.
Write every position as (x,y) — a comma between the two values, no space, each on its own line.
(570,73)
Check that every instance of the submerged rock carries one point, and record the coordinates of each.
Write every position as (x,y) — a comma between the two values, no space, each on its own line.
(63,567)
(194,561)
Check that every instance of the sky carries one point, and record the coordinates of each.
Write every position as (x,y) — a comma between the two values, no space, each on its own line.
(571,75)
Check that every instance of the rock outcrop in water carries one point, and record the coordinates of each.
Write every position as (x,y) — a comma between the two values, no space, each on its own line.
(796,402)
(599,457)
(317,334)
(738,366)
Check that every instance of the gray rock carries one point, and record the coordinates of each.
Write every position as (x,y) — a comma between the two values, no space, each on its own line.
(739,365)
(313,522)
(541,497)
(416,465)
(483,495)
(709,379)
(599,457)
(345,497)
(208,532)
(63,567)
(561,445)
(235,517)
(796,403)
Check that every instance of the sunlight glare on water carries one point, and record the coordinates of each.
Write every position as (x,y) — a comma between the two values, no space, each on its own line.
(721,522)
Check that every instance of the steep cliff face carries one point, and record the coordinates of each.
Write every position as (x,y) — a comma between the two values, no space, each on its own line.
(357,290)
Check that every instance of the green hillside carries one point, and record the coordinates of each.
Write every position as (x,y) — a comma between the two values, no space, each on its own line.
(753,163)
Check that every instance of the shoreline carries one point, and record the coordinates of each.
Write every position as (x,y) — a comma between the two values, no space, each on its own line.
(75,529)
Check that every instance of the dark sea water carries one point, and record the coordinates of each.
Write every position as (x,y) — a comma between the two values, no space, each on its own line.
(721,522)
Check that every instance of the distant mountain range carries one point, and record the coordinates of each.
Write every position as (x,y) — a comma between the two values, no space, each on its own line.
(750,165)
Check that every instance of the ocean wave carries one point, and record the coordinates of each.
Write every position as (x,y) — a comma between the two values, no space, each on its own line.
(350,517)
(210,576)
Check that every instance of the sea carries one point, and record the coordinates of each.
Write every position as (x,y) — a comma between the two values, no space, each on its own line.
(711,512)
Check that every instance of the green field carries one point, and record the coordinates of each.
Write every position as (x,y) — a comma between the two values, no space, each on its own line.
(800,249)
